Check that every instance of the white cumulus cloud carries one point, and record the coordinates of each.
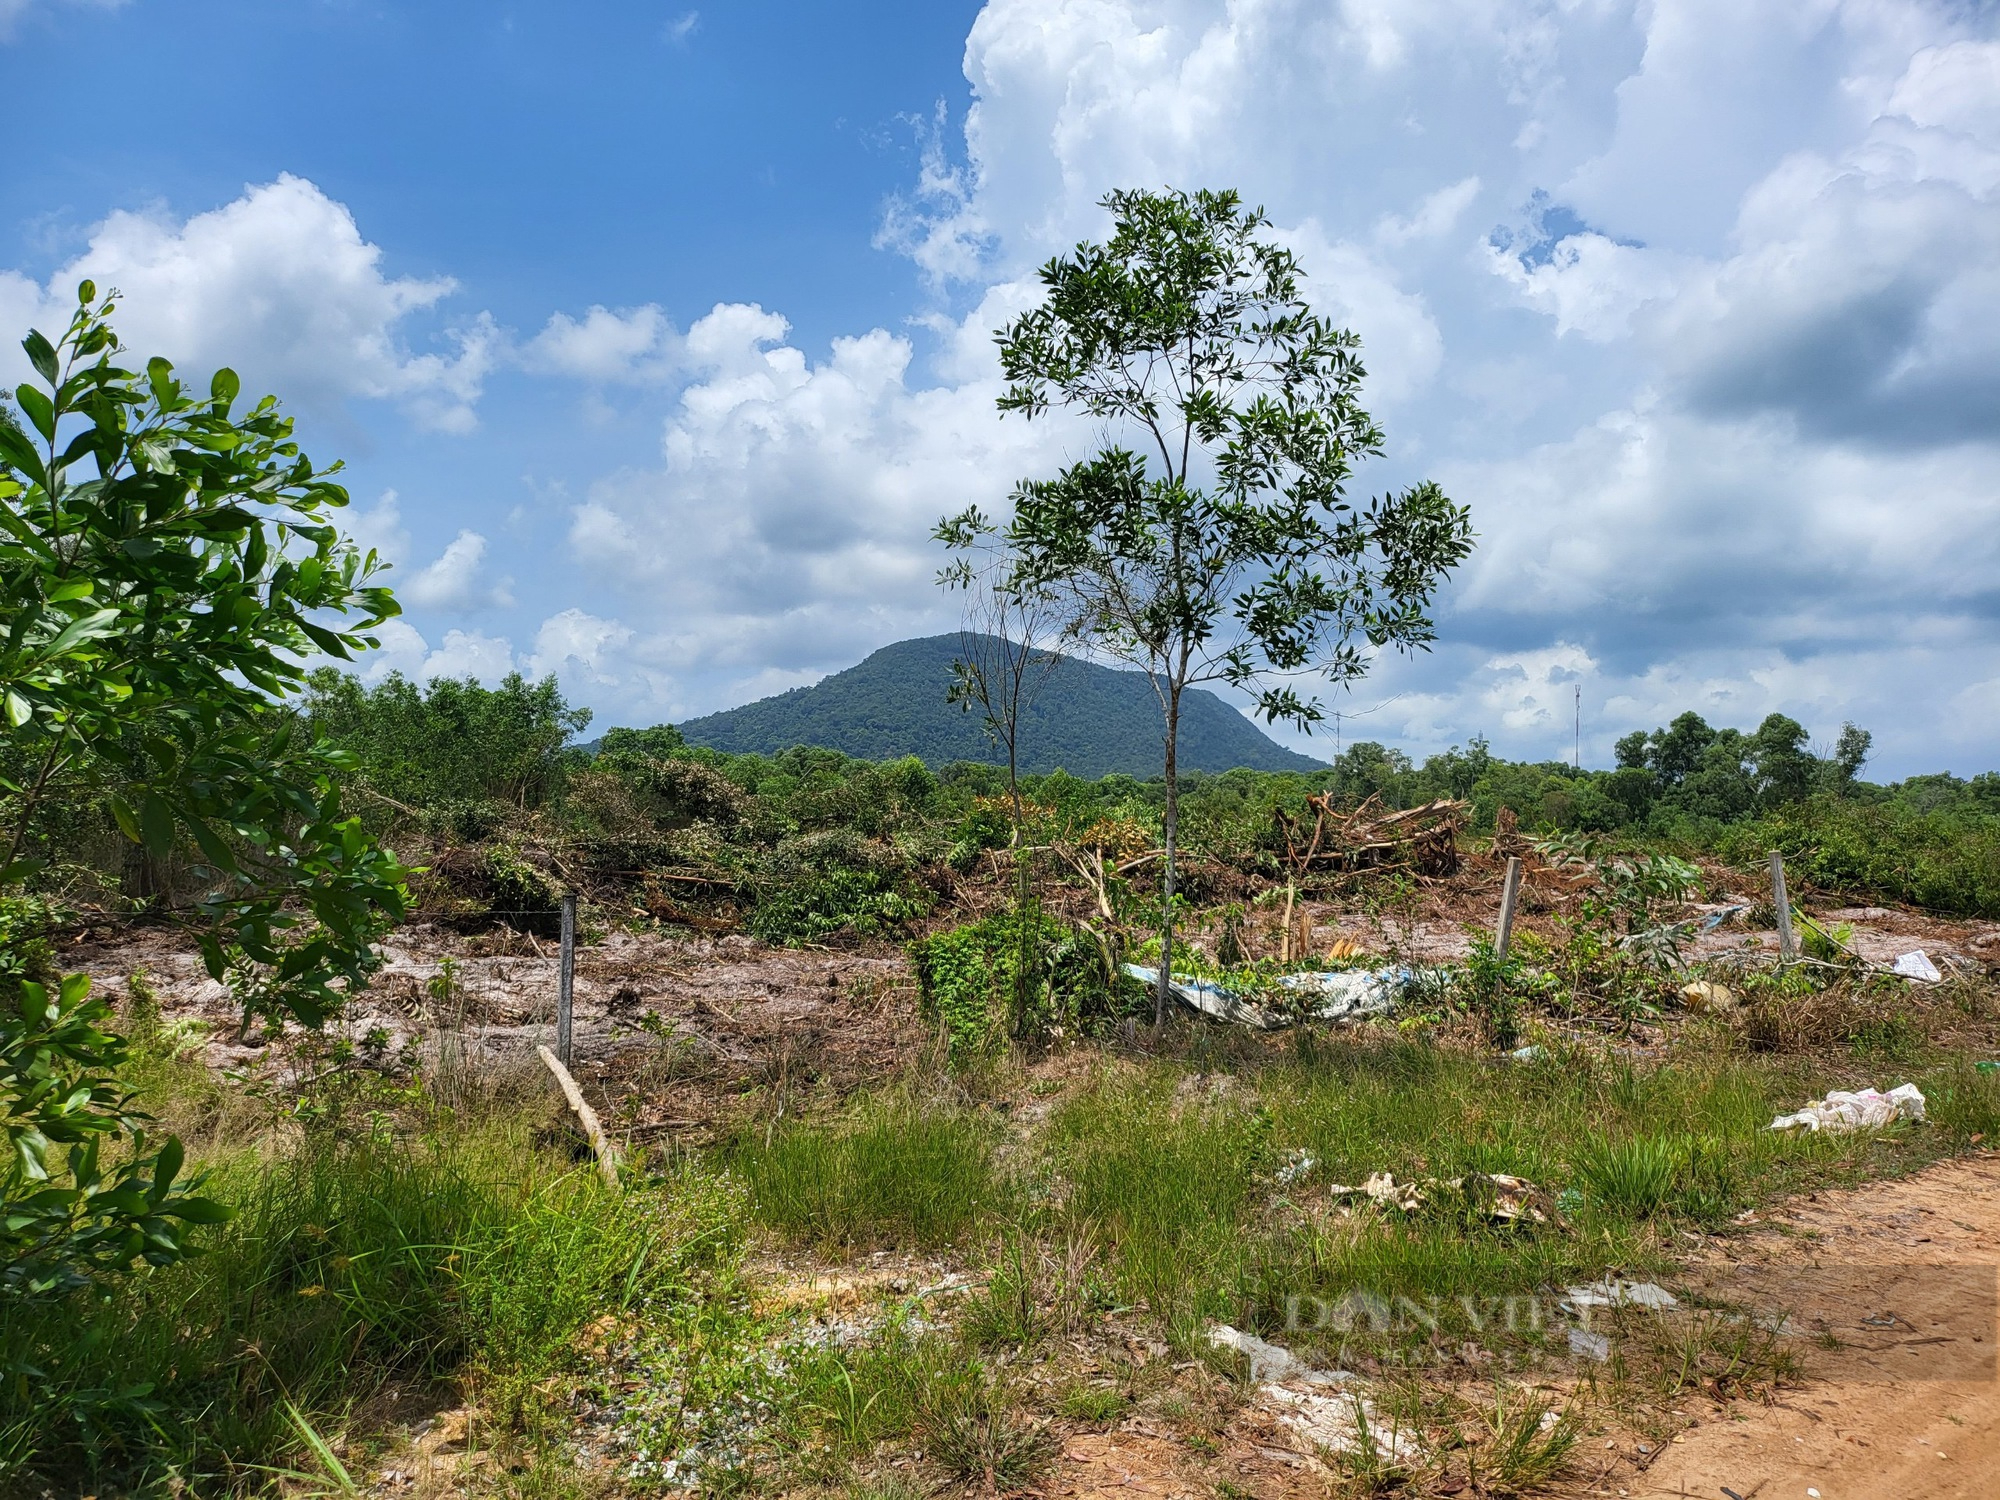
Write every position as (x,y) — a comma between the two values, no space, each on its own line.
(453,580)
(280,285)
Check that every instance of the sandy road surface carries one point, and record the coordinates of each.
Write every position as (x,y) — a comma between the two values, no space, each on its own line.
(1903,1274)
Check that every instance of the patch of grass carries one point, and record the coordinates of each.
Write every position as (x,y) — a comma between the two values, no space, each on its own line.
(1164,1176)
(1527,1442)
(1631,1177)
(898,1171)
(1720,1353)
(350,1264)
(973,1431)
(1965,1102)
(1092,1404)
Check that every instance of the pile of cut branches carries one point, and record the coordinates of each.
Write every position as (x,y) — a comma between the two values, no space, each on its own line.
(1421,840)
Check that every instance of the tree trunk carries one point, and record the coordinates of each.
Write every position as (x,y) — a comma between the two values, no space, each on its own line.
(1171,822)
(1013,786)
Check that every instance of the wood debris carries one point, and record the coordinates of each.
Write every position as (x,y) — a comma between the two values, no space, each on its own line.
(1422,840)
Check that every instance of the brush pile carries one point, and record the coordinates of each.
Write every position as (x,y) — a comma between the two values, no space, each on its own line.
(1421,840)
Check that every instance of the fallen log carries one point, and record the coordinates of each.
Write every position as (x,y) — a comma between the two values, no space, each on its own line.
(607,1154)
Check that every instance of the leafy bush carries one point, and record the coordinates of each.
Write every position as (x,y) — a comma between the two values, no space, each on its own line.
(69,1214)
(1944,861)
(812,907)
(1019,972)
(450,742)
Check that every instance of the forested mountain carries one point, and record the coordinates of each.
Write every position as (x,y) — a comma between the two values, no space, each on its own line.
(1089,720)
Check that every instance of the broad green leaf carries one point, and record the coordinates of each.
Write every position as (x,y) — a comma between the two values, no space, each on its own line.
(224,386)
(17,450)
(326,640)
(36,406)
(213,848)
(156,823)
(42,355)
(19,710)
(167,1167)
(83,628)
(127,823)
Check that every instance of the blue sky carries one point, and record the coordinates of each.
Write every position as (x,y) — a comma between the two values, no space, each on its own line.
(655,336)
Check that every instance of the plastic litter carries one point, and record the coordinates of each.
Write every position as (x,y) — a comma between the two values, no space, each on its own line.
(1270,1361)
(1706,997)
(1325,995)
(1844,1113)
(1590,1345)
(1649,1295)
(1525,1054)
(1211,999)
(1329,1420)
(1986,1067)
(1499,1197)
(1917,965)
(1334,1422)
(1298,1166)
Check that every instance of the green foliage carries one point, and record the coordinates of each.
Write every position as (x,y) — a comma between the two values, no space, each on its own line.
(1020,974)
(1490,987)
(67,1212)
(1945,860)
(346,1265)
(809,907)
(1629,892)
(1237,559)
(525,896)
(465,753)
(156,613)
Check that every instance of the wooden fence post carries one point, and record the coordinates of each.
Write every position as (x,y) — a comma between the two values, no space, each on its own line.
(1509,893)
(566,983)
(1788,945)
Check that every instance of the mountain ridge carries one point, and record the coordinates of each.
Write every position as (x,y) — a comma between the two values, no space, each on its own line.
(1089,720)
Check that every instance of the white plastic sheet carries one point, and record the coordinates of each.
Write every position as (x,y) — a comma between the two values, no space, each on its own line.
(1323,995)
(1918,965)
(1845,1113)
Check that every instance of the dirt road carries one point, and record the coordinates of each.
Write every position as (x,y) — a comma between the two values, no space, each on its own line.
(1903,1276)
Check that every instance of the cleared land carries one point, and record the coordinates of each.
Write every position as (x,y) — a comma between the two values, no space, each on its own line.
(1005,1278)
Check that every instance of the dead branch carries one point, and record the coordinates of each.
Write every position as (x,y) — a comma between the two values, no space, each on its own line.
(607,1154)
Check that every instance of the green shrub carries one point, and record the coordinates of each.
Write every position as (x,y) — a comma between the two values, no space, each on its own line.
(814,907)
(1020,972)
(1944,861)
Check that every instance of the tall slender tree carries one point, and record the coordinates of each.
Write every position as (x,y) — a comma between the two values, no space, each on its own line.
(1220,546)
(1005,654)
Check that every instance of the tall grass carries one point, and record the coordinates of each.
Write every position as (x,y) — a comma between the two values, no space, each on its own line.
(350,1264)
(1162,1176)
(899,1171)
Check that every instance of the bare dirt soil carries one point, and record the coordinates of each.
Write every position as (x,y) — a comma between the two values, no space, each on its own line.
(1901,1276)
(670,1035)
